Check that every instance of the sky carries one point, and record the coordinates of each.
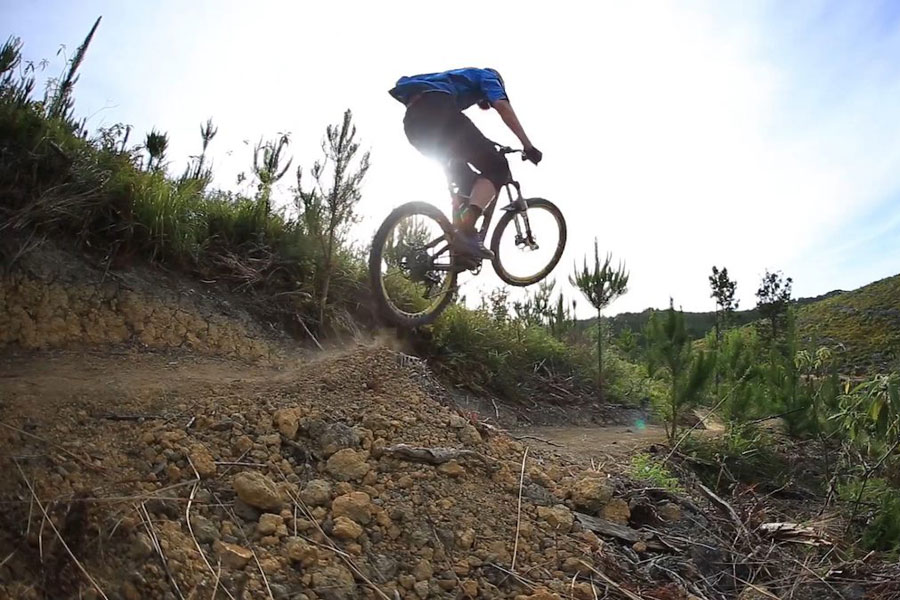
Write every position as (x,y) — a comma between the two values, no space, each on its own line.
(681,135)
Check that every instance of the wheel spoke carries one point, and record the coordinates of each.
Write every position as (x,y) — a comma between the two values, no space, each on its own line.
(522,260)
(415,277)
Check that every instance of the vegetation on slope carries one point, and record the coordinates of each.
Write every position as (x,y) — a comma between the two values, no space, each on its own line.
(863,324)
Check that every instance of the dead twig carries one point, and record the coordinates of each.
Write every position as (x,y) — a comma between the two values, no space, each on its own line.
(151,531)
(298,502)
(309,333)
(539,439)
(512,566)
(59,536)
(187,518)
(57,446)
(431,456)
(724,507)
(627,593)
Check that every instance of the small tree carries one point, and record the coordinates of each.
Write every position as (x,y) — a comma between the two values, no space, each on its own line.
(156,144)
(60,105)
(774,297)
(601,285)
(197,169)
(723,290)
(329,208)
(267,157)
(669,347)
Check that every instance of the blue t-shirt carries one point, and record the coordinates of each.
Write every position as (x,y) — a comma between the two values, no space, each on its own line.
(467,86)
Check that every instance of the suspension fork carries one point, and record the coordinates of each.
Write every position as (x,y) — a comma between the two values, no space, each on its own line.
(520,207)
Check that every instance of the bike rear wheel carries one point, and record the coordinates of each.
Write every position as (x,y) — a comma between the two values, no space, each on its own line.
(411,267)
(527,245)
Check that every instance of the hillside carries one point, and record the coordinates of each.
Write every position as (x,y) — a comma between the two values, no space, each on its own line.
(697,324)
(864,324)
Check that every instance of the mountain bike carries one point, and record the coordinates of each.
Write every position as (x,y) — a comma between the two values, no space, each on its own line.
(414,268)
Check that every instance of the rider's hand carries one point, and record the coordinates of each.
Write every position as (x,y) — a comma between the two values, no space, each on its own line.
(532,154)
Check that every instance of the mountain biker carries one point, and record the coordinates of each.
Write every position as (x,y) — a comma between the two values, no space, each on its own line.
(436,127)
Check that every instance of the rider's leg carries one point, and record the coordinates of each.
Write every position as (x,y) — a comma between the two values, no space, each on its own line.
(483,193)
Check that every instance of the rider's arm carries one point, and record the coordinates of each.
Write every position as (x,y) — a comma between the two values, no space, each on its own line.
(512,121)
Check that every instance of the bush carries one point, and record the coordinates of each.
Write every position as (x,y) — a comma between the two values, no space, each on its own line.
(494,354)
(744,454)
(652,470)
(882,520)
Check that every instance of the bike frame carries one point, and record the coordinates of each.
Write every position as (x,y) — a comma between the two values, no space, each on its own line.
(516,204)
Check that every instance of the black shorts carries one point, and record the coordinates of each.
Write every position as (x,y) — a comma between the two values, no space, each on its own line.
(438,129)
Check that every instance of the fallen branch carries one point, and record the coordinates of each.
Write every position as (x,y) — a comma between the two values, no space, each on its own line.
(430,456)
(114,417)
(539,439)
(795,533)
(725,508)
(608,528)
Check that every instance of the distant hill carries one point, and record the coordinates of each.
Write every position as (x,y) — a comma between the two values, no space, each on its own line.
(696,323)
(864,324)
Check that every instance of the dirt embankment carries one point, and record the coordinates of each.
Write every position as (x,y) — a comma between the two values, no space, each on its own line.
(55,300)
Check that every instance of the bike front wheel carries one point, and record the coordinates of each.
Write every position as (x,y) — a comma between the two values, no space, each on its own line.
(527,245)
(411,266)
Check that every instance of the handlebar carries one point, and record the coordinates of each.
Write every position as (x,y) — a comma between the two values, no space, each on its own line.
(508,150)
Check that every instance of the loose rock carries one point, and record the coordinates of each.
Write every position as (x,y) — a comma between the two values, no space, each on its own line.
(232,555)
(269,524)
(617,511)
(347,465)
(299,550)
(338,436)
(591,493)
(469,435)
(355,505)
(257,490)
(557,517)
(287,422)
(316,492)
(670,512)
(203,461)
(346,529)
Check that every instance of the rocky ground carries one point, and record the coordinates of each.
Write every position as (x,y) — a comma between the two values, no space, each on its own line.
(348,475)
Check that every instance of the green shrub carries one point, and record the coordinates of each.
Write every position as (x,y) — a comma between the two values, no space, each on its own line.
(496,354)
(743,454)
(652,470)
(882,519)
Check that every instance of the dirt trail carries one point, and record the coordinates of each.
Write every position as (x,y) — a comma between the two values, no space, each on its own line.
(604,445)
(170,474)
(333,476)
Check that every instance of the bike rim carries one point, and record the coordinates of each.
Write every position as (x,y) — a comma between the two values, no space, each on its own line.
(416,270)
(520,260)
